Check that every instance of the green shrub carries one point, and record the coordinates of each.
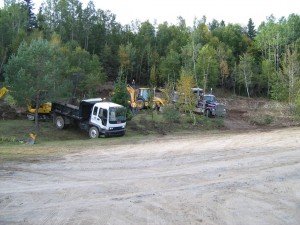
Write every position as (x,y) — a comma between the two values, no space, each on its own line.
(171,114)
(262,120)
(268,119)
(190,120)
(129,114)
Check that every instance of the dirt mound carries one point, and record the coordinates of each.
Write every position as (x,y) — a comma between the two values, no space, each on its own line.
(8,112)
(250,113)
(105,90)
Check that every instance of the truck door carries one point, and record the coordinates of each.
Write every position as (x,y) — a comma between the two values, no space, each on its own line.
(99,117)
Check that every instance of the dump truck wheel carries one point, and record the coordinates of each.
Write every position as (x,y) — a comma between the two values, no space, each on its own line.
(94,132)
(59,122)
(140,104)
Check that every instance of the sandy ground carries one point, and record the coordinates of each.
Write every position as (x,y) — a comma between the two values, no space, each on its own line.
(225,178)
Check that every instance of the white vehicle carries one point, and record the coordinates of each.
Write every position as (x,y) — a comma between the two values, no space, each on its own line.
(93,115)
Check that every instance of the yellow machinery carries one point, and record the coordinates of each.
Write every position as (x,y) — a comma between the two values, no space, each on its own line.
(132,101)
(44,111)
(142,98)
(3,91)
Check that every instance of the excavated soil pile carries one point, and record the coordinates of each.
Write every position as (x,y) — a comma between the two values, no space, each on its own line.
(10,113)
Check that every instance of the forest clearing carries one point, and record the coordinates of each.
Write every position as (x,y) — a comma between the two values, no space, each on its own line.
(247,172)
(172,166)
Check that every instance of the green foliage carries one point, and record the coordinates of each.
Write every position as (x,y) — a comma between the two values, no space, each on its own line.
(171,114)
(251,32)
(207,67)
(170,67)
(36,68)
(246,72)
(10,100)
(279,91)
(4,139)
(120,96)
(97,47)
(210,123)
(186,96)
(267,72)
(297,107)
(262,120)
(85,70)
(291,71)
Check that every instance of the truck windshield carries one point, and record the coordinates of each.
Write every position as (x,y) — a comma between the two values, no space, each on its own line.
(117,114)
(210,98)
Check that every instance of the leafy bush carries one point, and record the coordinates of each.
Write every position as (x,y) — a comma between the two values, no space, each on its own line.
(190,120)
(171,114)
(262,120)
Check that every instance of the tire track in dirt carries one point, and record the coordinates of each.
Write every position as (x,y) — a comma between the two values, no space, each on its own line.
(246,178)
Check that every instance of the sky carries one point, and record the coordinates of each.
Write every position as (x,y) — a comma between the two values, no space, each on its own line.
(231,11)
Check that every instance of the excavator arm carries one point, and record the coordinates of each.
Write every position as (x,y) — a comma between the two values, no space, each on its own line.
(3,91)
(132,93)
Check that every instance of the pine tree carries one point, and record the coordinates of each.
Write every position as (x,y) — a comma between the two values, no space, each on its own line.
(251,32)
(32,19)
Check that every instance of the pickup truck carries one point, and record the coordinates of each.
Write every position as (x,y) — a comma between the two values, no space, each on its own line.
(93,115)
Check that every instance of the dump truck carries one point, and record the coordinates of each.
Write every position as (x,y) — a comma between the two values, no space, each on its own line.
(98,118)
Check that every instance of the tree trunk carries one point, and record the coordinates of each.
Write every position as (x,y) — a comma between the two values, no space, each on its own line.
(36,114)
(246,83)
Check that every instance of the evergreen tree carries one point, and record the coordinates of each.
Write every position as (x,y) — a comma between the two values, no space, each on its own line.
(251,32)
(31,17)
(213,25)
(36,73)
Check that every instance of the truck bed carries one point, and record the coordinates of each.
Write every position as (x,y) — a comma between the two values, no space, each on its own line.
(67,110)
(81,112)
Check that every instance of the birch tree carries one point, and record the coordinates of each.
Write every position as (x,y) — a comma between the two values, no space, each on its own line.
(207,67)
(184,86)
(291,70)
(246,71)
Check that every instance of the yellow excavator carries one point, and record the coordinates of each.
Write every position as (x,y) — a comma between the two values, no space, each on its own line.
(132,101)
(142,98)
(3,92)
(44,111)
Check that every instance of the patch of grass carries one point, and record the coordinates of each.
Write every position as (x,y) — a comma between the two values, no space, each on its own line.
(171,114)
(262,120)
(210,123)
(17,131)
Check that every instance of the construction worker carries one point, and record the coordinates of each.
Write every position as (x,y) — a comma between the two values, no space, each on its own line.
(133,84)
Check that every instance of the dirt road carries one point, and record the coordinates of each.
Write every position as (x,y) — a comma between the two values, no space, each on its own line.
(236,178)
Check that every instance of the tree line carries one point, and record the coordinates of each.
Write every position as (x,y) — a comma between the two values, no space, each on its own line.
(70,50)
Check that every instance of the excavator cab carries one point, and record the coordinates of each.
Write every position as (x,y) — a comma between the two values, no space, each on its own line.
(143,98)
(44,111)
(146,98)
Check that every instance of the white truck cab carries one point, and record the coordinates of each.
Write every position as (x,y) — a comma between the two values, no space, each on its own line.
(108,118)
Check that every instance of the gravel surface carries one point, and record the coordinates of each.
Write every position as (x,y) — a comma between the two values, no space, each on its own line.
(224,178)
